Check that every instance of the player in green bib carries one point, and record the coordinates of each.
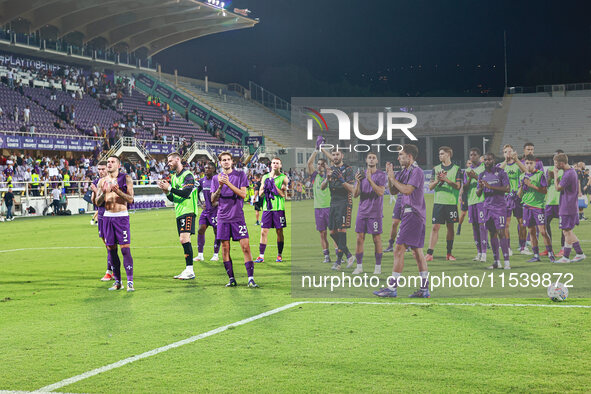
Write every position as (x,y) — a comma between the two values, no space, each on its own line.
(532,191)
(552,201)
(182,192)
(475,204)
(273,189)
(514,168)
(321,201)
(445,182)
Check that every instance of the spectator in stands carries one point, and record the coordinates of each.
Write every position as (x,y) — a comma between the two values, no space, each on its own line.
(10,77)
(32,130)
(187,114)
(15,113)
(1,112)
(55,195)
(27,114)
(8,200)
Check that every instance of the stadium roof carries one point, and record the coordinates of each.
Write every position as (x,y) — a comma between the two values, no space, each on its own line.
(151,24)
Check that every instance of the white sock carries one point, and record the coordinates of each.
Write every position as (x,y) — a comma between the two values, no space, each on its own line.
(360,266)
(483,255)
(261,256)
(200,255)
(251,278)
(109,272)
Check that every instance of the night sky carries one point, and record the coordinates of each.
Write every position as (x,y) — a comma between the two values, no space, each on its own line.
(392,48)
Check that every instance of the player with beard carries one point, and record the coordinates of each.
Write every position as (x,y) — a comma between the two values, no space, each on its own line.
(475,204)
(568,209)
(370,188)
(102,172)
(321,201)
(412,223)
(273,190)
(514,168)
(229,192)
(115,191)
(180,191)
(494,184)
(552,204)
(339,180)
(209,215)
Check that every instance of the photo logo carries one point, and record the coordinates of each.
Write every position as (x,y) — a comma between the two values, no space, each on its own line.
(345,124)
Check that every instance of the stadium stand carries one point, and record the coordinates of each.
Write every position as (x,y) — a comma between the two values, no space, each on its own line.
(550,122)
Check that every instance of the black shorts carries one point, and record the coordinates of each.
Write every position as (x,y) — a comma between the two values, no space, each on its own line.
(445,214)
(340,216)
(258,205)
(464,205)
(186,223)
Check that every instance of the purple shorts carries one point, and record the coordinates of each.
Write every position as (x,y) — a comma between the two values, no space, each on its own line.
(397,214)
(208,218)
(273,219)
(551,212)
(99,220)
(368,225)
(495,218)
(236,230)
(412,229)
(514,206)
(322,216)
(476,213)
(533,216)
(568,222)
(116,230)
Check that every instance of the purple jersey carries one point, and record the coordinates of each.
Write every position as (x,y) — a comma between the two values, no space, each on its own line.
(371,205)
(414,176)
(230,205)
(205,187)
(494,199)
(569,195)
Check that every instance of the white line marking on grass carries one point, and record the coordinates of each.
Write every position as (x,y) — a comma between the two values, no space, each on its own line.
(447,304)
(153,352)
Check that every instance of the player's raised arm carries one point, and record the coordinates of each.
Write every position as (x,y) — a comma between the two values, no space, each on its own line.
(378,189)
(357,190)
(311,162)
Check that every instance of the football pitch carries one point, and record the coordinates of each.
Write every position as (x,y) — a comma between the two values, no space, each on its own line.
(61,330)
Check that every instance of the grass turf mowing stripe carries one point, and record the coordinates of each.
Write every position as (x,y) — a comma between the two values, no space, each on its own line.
(192,339)
(153,352)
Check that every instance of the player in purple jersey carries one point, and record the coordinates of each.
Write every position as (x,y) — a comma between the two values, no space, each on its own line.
(397,213)
(412,224)
(102,172)
(494,183)
(209,215)
(230,191)
(370,188)
(116,192)
(568,207)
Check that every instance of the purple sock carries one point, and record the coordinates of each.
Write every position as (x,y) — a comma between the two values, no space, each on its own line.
(379,258)
(115,264)
(392,282)
(549,249)
(577,247)
(109,265)
(476,234)
(483,238)
(200,242)
(566,251)
(536,250)
(521,243)
(505,248)
(216,246)
(326,252)
(359,257)
(391,243)
(249,268)
(262,248)
(494,245)
(229,269)
(127,263)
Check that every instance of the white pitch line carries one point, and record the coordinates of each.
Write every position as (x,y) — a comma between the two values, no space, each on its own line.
(192,339)
(153,352)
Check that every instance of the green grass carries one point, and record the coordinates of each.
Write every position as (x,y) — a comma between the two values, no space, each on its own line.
(57,320)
